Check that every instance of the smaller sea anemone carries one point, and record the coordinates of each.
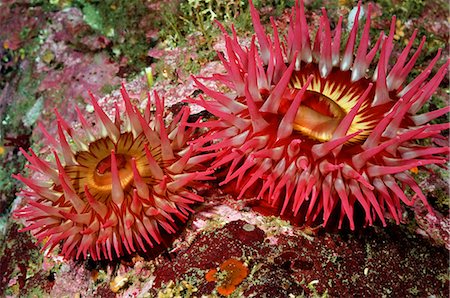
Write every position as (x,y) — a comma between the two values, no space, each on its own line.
(232,273)
(124,181)
(319,133)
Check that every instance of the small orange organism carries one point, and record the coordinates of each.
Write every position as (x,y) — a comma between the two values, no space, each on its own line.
(232,273)
(414,170)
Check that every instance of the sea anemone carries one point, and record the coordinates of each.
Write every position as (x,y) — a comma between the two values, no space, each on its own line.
(110,190)
(321,133)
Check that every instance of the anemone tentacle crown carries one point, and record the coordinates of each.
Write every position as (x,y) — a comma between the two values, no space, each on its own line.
(111,190)
(310,132)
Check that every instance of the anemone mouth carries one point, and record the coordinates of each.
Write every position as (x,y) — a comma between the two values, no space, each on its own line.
(103,172)
(93,167)
(328,100)
(318,116)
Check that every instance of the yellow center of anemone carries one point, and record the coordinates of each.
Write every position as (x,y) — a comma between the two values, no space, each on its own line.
(94,166)
(328,100)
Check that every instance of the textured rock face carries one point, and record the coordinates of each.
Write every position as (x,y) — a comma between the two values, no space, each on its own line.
(281,260)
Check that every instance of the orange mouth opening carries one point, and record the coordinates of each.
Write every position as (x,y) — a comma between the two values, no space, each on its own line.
(318,116)
(103,174)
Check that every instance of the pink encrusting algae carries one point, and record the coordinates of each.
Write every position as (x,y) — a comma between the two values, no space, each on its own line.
(111,189)
(308,131)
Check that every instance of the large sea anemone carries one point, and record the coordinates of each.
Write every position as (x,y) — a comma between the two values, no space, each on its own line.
(327,128)
(111,189)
